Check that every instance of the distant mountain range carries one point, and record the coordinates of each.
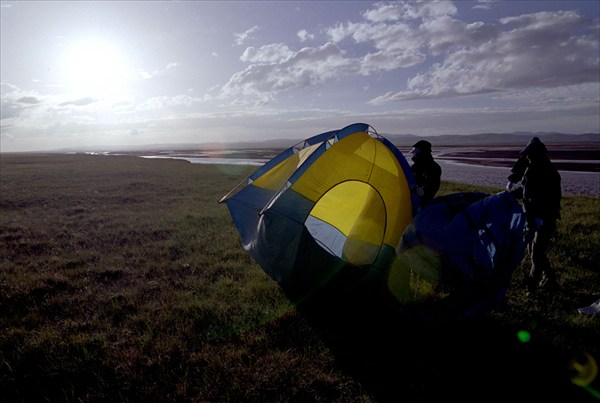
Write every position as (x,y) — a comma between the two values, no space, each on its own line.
(491,139)
(400,140)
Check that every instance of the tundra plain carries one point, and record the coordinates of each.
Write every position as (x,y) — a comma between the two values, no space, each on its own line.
(122,279)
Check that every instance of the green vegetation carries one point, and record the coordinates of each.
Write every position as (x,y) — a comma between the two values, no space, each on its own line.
(123,279)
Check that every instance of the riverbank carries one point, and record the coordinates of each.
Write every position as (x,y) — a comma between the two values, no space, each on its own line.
(564,157)
(578,166)
(481,166)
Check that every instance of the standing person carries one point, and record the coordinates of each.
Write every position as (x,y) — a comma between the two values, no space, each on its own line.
(427,172)
(541,193)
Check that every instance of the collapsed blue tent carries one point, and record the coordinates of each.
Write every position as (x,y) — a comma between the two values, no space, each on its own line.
(467,244)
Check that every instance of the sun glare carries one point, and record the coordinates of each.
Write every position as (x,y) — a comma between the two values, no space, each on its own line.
(95,67)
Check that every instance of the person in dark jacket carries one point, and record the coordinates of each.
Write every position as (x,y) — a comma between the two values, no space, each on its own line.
(427,172)
(541,194)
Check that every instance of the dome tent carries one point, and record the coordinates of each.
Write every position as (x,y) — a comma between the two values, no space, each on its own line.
(333,206)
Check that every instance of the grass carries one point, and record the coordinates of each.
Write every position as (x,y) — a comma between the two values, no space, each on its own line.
(122,279)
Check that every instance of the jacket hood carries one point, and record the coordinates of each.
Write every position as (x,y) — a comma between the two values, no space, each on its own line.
(535,146)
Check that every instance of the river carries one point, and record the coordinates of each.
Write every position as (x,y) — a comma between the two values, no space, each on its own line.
(573,182)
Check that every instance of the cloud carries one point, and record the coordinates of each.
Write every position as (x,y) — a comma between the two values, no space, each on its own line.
(574,96)
(165,102)
(483,5)
(79,102)
(389,31)
(274,53)
(393,43)
(309,66)
(28,100)
(546,49)
(146,75)
(401,10)
(16,102)
(240,38)
(538,50)
(404,35)
(303,35)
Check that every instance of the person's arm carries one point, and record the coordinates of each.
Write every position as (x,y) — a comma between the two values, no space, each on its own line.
(516,175)
(518,170)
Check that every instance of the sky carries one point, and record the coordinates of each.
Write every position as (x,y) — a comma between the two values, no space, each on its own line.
(89,74)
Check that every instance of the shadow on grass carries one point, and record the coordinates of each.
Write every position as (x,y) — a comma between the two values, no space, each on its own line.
(430,352)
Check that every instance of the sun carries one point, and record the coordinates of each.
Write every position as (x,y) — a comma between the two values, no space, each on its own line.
(95,67)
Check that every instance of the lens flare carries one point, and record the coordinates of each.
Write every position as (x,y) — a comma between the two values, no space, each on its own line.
(587,371)
(524,336)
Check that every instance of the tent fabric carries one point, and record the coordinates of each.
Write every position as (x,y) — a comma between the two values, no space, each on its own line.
(338,200)
(469,242)
(592,309)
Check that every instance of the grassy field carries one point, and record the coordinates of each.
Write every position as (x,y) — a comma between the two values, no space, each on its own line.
(123,279)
